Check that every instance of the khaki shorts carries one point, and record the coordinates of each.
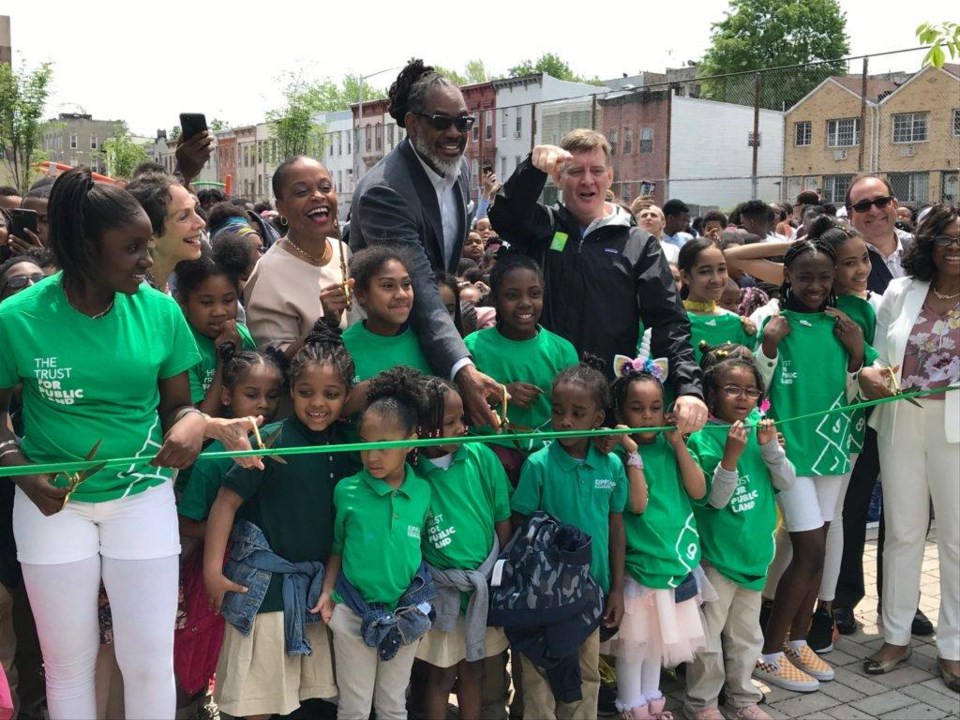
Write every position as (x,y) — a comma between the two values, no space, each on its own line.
(447,649)
(255,676)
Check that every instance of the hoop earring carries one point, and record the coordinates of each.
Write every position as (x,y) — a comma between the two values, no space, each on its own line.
(283,220)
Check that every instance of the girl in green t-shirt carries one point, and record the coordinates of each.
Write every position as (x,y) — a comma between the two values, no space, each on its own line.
(521,355)
(291,502)
(208,292)
(384,340)
(469,506)
(737,521)
(809,355)
(663,545)
(703,271)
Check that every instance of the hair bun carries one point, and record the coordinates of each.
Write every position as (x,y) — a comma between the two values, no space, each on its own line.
(323,333)
(593,361)
(399,93)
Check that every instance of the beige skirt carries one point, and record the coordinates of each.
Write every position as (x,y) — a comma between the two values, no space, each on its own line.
(255,676)
(447,649)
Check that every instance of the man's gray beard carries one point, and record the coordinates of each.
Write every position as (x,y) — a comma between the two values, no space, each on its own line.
(446,167)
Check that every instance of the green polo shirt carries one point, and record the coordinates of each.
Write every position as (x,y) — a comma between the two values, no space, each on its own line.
(466,501)
(378,533)
(202,483)
(293,503)
(201,374)
(536,361)
(372,353)
(737,539)
(582,493)
(663,545)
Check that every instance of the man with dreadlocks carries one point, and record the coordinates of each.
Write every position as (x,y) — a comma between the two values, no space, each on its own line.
(416,197)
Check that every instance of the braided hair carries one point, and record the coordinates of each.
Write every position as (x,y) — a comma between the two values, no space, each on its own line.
(797,251)
(408,92)
(323,346)
(588,374)
(237,364)
(435,391)
(621,385)
(398,394)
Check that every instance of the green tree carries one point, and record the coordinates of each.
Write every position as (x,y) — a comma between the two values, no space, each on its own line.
(216,125)
(23,96)
(548,63)
(760,34)
(945,35)
(476,72)
(122,154)
(452,75)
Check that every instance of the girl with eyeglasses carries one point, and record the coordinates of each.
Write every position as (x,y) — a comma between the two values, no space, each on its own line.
(918,338)
(736,520)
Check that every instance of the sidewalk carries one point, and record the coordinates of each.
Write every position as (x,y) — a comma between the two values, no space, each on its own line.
(914,691)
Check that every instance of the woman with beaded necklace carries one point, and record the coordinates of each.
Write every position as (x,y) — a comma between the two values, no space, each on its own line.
(304,276)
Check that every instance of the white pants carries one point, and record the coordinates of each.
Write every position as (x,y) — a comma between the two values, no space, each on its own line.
(918,464)
(64,557)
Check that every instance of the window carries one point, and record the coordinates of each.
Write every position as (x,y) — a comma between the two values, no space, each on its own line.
(73,141)
(910,127)
(476,131)
(794,185)
(646,140)
(612,137)
(628,141)
(910,187)
(339,180)
(488,124)
(93,142)
(519,128)
(843,133)
(835,188)
(503,167)
(950,184)
(378,134)
(368,138)
(350,179)
(259,185)
(349,135)
(503,124)
(330,150)
(803,133)
(273,151)
(391,129)
(956,121)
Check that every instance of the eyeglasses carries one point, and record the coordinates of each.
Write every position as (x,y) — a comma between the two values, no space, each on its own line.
(464,123)
(18,282)
(878,202)
(735,391)
(946,241)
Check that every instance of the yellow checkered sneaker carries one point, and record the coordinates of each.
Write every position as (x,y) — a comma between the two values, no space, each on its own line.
(809,662)
(784,674)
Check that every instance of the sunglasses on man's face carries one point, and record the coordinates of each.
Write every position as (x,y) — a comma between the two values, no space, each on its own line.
(945,241)
(18,282)
(878,202)
(464,123)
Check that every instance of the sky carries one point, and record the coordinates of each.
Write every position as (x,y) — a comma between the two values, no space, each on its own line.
(145,63)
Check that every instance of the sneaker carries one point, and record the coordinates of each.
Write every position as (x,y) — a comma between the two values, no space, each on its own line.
(784,674)
(750,712)
(710,713)
(820,634)
(808,661)
(844,620)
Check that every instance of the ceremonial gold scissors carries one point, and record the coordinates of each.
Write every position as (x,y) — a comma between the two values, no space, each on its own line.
(74,480)
(268,443)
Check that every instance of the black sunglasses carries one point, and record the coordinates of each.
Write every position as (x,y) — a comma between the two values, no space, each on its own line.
(18,282)
(464,123)
(878,202)
(945,241)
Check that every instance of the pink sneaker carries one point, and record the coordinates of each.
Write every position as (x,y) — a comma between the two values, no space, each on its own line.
(657,711)
(750,712)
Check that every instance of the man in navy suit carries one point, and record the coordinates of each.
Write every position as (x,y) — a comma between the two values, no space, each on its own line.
(417,197)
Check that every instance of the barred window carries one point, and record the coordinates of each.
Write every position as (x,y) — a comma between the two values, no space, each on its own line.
(910,127)
(843,133)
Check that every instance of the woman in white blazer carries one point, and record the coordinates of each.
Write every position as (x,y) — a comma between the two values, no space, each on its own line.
(918,338)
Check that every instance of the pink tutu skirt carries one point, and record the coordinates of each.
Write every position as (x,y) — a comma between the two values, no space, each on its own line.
(653,616)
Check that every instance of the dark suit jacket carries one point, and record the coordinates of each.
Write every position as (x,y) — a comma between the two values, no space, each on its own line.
(396,202)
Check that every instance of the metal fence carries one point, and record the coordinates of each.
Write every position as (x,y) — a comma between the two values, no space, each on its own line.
(715,142)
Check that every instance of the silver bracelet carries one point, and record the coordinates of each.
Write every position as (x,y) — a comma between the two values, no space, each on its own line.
(634,460)
(186,411)
(8,443)
(9,451)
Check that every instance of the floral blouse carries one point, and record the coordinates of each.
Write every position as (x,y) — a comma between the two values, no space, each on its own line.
(932,357)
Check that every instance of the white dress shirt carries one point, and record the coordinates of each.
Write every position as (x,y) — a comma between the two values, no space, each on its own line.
(447,199)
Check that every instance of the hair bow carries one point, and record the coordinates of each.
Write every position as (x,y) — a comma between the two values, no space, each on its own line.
(658,368)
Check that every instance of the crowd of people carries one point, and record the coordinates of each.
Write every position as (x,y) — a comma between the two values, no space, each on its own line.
(142,321)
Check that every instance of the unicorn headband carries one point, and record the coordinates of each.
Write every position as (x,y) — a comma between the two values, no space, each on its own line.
(658,368)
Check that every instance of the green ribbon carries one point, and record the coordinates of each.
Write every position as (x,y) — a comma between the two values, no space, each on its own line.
(74,466)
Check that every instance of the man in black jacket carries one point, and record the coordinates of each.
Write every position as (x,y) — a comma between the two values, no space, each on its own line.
(604,276)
